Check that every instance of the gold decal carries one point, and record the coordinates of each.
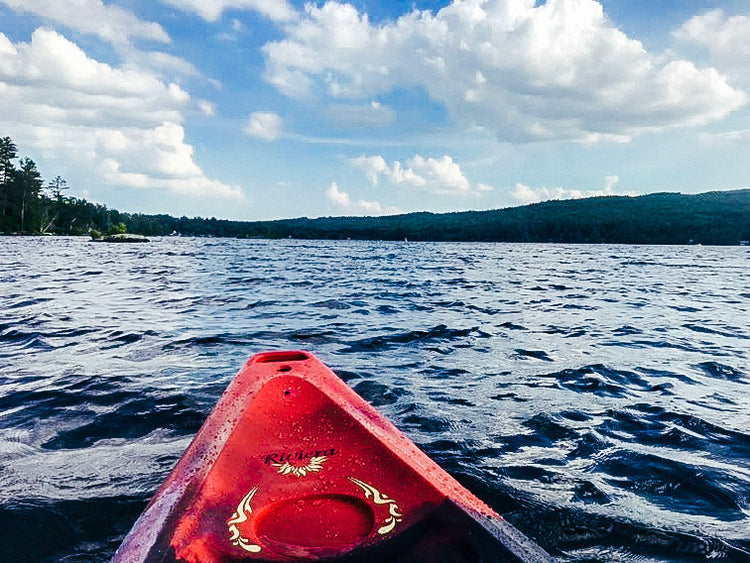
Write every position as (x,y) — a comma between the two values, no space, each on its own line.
(379,498)
(240,516)
(313,466)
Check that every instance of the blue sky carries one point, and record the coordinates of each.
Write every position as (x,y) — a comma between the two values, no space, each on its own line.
(262,109)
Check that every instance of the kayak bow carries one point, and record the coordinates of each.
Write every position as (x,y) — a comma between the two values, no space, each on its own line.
(292,464)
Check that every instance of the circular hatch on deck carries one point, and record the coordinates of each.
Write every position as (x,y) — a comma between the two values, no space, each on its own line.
(316,525)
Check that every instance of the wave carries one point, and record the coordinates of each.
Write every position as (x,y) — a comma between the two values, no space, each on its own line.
(435,334)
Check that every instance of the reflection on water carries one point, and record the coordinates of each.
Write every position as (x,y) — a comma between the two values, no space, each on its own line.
(597,396)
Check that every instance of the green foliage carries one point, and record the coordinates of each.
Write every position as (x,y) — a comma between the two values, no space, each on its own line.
(715,218)
(118,229)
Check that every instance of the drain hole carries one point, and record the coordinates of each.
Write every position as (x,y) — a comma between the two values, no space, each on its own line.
(271,357)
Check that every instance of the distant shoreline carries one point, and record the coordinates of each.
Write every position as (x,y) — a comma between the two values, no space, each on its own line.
(552,243)
(709,219)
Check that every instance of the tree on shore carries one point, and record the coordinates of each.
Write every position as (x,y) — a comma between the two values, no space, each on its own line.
(24,207)
(30,184)
(56,188)
(8,152)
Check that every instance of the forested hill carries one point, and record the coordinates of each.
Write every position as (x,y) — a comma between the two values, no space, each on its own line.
(712,218)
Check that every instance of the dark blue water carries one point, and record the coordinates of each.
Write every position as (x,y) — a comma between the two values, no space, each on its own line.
(597,396)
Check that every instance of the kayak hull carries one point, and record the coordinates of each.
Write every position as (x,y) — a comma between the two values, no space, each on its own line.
(293,465)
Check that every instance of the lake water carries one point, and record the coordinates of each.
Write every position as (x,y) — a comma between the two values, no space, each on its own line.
(597,396)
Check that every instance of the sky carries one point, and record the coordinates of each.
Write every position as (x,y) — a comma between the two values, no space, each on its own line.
(267,109)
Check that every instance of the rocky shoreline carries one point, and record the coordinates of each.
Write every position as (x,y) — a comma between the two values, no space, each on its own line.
(122,238)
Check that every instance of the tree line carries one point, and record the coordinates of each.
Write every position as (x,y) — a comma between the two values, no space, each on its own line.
(29,205)
(713,218)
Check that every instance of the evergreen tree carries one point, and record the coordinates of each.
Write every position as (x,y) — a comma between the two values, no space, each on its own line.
(8,152)
(56,188)
(28,189)
(58,203)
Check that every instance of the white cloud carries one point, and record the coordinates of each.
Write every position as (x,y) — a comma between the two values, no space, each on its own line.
(373,167)
(558,70)
(610,182)
(343,201)
(401,175)
(211,10)
(435,175)
(526,194)
(114,25)
(207,108)
(726,137)
(158,62)
(108,22)
(337,197)
(122,126)
(59,81)
(441,175)
(725,38)
(265,125)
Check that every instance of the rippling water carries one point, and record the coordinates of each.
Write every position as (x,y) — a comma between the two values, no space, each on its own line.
(597,396)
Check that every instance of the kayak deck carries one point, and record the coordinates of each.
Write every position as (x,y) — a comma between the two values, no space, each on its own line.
(293,465)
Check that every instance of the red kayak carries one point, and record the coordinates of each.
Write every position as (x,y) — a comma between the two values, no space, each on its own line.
(293,465)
